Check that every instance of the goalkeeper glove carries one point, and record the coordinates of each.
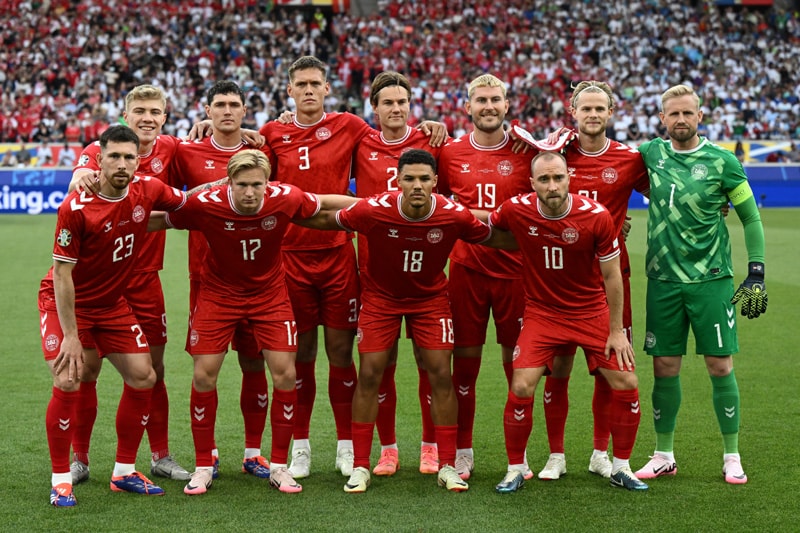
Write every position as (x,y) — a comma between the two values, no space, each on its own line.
(752,293)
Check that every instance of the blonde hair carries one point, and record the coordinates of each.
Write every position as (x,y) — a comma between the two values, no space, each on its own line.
(145,92)
(592,86)
(677,91)
(486,80)
(246,160)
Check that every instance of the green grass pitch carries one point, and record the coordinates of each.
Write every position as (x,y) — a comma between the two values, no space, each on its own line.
(697,499)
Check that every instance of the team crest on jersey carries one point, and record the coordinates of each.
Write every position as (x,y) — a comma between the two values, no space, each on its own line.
(505,168)
(571,172)
(699,171)
(609,175)
(139,214)
(569,235)
(83,161)
(156,165)
(269,223)
(51,343)
(435,235)
(194,338)
(323,134)
(210,164)
(64,237)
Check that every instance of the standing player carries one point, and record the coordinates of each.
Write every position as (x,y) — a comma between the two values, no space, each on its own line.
(375,171)
(690,273)
(202,162)
(82,308)
(145,113)
(410,234)
(243,280)
(314,153)
(606,171)
(573,297)
(481,171)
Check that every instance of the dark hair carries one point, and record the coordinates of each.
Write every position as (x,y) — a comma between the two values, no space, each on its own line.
(224,87)
(416,157)
(307,62)
(386,79)
(119,134)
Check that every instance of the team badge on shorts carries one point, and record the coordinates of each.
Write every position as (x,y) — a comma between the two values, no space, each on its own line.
(51,343)
(359,335)
(649,340)
(516,353)
(64,237)
(194,338)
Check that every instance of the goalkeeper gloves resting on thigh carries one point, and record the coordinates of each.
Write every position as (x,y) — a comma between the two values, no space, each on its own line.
(752,293)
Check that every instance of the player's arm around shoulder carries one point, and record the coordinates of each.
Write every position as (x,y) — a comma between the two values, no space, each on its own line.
(325,218)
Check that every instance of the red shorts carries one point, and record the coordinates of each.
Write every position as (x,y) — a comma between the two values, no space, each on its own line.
(474,295)
(214,323)
(146,298)
(108,329)
(430,325)
(323,286)
(543,338)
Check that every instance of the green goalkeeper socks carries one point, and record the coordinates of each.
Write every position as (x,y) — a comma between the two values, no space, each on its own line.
(666,403)
(726,406)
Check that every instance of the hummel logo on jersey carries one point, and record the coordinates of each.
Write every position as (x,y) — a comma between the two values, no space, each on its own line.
(286,139)
(383,201)
(465,168)
(373,156)
(393,233)
(229,225)
(660,164)
(262,400)
(586,205)
(533,230)
(109,227)
(210,164)
(209,196)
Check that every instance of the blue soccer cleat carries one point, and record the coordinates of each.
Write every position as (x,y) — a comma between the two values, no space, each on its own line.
(137,483)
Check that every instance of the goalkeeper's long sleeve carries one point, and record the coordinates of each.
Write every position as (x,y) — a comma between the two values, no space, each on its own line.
(745,205)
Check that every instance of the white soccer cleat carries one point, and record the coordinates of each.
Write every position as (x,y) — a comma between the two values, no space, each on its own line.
(79,471)
(465,464)
(449,479)
(344,461)
(600,464)
(301,463)
(555,467)
(359,480)
(169,468)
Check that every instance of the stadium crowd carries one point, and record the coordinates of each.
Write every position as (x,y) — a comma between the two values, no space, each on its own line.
(65,66)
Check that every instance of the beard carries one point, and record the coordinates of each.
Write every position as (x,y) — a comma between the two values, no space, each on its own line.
(683,135)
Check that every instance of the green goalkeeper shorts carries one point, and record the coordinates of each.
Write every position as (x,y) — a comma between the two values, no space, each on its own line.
(672,307)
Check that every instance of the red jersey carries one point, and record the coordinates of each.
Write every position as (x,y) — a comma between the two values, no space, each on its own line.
(317,158)
(197,163)
(375,163)
(102,236)
(155,163)
(244,258)
(483,177)
(562,274)
(609,176)
(407,257)
(375,168)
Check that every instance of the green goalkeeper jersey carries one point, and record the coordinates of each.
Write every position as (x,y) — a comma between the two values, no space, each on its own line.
(687,239)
